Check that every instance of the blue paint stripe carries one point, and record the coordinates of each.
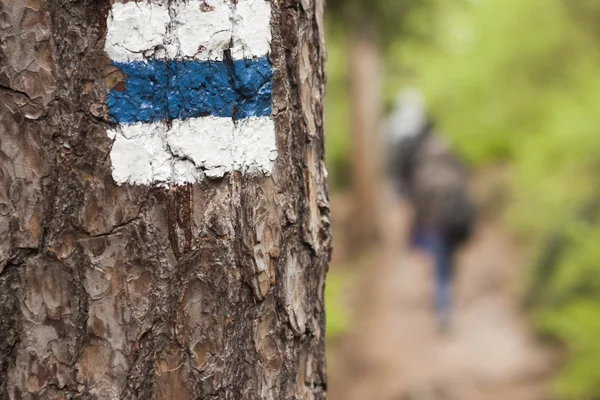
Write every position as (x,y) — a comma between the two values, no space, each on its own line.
(159,90)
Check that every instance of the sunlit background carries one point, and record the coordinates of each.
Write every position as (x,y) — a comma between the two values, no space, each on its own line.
(514,88)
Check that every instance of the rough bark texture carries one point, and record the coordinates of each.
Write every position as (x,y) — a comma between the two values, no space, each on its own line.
(206,291)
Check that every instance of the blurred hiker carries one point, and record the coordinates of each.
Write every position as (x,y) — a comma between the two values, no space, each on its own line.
(431,178)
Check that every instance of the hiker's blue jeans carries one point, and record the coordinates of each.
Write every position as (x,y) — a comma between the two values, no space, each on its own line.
(434,244)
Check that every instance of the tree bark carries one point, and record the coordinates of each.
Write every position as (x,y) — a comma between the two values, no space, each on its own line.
(364,80)
(208,290)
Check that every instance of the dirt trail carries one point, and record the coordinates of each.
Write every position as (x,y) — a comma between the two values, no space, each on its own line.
(395,350)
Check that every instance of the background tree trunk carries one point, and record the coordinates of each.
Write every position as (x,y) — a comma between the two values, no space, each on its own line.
(211,290)
(364,80)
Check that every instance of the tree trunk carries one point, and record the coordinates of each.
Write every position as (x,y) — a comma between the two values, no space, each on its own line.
(365,70)
(155,265)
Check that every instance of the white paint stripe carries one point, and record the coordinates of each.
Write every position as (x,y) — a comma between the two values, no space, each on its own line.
(198,29)
(154,153)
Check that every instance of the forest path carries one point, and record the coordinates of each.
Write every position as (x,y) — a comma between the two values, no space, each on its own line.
(395,350)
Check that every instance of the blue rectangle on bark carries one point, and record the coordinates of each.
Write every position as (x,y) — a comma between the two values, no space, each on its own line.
(157,90)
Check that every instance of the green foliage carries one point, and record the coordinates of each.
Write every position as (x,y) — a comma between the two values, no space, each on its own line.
(576,324)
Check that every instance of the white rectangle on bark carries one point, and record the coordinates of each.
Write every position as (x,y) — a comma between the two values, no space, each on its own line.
(151,153)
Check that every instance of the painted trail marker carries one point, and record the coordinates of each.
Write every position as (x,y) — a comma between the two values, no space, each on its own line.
(196,100)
